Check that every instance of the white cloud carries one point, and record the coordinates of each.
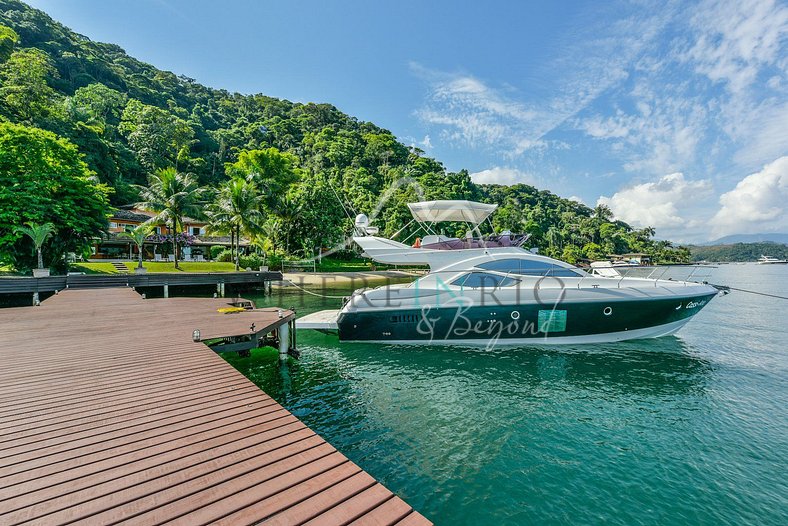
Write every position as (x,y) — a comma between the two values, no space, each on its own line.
(758,202)
(735,39)
(576,199)
(587,61)
(503,175)
(718,86)
(665,203)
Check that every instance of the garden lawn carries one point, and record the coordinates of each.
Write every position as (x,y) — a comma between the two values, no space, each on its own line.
(155,266)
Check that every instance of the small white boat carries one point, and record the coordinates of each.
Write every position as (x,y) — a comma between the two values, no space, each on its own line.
(771,260)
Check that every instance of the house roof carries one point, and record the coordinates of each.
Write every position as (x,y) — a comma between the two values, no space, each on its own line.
(217,240)
(128,215)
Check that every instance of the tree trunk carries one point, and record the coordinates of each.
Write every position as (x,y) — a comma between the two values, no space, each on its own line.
(175,242)
(232,243)
(139,248)
(40,258)
(237,248)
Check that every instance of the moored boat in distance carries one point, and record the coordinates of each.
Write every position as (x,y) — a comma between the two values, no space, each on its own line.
(488,290)
(771,260)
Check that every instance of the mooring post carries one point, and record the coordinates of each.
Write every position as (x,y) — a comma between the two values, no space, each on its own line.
(36,300)
(221,289)
(166,290)
(284,340)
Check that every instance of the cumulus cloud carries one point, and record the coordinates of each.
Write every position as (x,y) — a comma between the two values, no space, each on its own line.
(758,202)
(660,204)
(503,175)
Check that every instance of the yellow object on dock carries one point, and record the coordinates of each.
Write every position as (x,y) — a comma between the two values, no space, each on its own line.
(230,310)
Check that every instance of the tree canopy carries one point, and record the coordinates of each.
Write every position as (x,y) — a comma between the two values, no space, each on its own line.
(315,166)
(44,180)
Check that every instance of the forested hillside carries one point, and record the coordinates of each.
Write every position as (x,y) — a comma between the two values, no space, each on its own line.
(312,165)
(739,251)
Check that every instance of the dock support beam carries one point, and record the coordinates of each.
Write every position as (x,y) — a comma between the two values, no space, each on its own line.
(284,340)
(36,300)
(166,291)
(220,289)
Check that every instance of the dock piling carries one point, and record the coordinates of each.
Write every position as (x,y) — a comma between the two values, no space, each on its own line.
(284,341)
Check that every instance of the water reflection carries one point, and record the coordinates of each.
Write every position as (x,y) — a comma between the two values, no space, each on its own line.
(517,435)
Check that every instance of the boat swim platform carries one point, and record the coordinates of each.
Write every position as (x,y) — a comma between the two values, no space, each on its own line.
(324,320)
(111,413)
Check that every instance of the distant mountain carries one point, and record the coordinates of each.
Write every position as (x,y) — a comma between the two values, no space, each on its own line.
(750,238)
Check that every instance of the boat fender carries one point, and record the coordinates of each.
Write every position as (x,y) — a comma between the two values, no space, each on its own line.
(417,243)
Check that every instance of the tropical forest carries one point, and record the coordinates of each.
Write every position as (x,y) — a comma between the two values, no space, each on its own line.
(86,129)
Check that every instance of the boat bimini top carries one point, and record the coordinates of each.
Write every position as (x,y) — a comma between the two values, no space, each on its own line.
(431,249)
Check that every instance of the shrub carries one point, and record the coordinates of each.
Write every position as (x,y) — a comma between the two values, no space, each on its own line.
(345,255)
(224,255)
(253,261)
(216,250)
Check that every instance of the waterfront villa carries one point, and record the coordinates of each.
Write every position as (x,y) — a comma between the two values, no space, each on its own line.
(114,246)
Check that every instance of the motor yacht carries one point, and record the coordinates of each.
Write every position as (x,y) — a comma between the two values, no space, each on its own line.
(485,290)
(771,260)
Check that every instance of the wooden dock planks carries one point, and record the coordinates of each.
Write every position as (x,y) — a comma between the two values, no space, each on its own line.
(110,413)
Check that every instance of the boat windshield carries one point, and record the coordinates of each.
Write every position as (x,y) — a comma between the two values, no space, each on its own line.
(477,280)
(529,267)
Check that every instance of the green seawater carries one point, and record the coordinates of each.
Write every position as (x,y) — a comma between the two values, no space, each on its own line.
(691,429)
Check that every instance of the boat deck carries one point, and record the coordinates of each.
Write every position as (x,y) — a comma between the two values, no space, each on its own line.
(110,413)
(321,320)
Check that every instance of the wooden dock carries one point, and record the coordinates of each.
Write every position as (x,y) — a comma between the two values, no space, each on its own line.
(110,413)
(22,285)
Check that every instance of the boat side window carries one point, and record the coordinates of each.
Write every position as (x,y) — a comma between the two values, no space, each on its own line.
(476,280)
(528,267)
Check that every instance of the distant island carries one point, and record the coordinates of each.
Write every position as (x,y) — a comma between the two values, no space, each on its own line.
(738,251)
(772,237)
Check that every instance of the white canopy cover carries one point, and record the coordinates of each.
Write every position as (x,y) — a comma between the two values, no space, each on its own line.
(437,211)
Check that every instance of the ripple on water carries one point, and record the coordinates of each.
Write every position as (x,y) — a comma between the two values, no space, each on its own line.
(680,430)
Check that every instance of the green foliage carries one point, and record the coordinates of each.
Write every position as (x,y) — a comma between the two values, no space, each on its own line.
(8,39)
(738,252)
(224,255)
(25,94)
(252,261)
(44,180)
(38,234)
(311,165)
(216,250)
(138,235)
(172,195)
(237,209)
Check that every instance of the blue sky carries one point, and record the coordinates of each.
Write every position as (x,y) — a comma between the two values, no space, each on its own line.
(674,115)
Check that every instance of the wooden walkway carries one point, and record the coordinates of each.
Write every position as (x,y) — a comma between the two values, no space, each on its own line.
(110,413)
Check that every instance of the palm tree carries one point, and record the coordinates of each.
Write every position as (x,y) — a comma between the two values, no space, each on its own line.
(288,210)
(237,206)
(138,235)
(39,234)
(172,195)
(603,213)
(554,237)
